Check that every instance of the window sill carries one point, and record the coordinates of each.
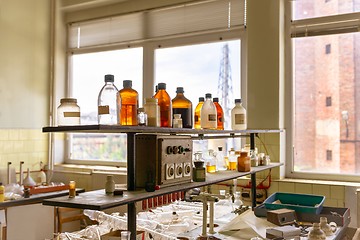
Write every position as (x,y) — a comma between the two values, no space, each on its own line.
(89,169)
(321,182)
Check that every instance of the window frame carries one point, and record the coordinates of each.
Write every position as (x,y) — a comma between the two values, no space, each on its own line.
(149,48)
(317,26)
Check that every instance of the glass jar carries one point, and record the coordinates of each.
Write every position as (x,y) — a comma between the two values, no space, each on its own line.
(68,112)
(152,110)
(72,189)
(109,185)
(243,162)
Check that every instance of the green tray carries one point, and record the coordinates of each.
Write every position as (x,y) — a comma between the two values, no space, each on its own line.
(304,203)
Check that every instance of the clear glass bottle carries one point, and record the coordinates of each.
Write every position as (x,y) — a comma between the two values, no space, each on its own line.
(238,116)
(219,114)
(108,102)
(182,105)
(68,112)
(210,161)
(164,102)
(232,159)
(142,117)
(197,117)
(129,99)
(177,121)
(220,160)
(152,110)
(208,114)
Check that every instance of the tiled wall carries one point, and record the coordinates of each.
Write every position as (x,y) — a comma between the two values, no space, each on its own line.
(28,145)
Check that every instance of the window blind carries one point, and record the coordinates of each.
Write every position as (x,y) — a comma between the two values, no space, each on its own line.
(343,23)
(167,22)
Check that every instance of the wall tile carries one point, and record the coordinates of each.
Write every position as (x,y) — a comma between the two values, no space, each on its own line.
(287,187)
(337,192)
(303,188)
(274,187)
(322,190)
(330,202)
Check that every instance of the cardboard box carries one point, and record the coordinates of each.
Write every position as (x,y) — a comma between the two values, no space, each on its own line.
(283,232)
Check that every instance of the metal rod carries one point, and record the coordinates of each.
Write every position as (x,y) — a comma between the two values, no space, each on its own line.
(8,173)
(201,137)
(131,221)
(252,141)
(253,190)
(131,183)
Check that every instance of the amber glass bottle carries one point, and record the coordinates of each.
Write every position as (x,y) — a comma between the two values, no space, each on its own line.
(197,124)
(220,114)
(164,102)
(129,104)
(182,105)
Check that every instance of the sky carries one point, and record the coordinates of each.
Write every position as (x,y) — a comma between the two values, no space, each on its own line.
(195,67)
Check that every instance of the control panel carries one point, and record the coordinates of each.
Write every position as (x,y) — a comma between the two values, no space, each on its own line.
(163,159)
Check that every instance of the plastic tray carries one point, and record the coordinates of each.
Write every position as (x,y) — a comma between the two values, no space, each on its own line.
(304,203)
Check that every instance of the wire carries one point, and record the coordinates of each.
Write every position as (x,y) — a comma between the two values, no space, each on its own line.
(263,144)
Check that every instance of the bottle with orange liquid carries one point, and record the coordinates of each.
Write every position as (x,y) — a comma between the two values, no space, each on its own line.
(164,102)
(197,123)
(129,104)
(219,114)
(182,105)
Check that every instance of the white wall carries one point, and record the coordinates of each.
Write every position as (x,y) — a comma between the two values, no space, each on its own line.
(24,63)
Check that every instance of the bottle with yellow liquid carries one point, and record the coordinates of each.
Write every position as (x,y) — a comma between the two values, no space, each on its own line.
(2,192)
(232,160)
(210,162)
(129,104)
(197,123)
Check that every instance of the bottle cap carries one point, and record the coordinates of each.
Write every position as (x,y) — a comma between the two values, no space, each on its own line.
(179,90)
(220,148)
(141,110)
(127,83)
(68,100)
(177,116)
(201,99)
(151,100)
(215,99)
(109,78)
(162,86)
(208,95)
(238,100)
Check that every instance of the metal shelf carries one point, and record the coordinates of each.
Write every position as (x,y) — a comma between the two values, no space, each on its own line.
(97,200)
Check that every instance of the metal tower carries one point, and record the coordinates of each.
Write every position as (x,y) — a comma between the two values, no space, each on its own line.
(225,90)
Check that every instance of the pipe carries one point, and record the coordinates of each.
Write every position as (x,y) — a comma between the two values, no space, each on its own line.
(21,173)
(8,173)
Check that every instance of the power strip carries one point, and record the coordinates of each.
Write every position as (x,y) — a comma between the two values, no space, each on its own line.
(261,195)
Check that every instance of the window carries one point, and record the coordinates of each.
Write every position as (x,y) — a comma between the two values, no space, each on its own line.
(328,129)
(105,46)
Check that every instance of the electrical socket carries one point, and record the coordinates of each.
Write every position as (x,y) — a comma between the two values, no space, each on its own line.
(261,195)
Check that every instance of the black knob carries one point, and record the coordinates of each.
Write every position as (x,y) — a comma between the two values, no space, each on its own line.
(169,150)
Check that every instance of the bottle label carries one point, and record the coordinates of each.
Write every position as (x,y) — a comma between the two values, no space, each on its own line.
(240,118)
(71,114)
(103,109)
(212,117)
(196,118)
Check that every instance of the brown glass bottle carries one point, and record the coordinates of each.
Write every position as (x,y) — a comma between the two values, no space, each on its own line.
(182,105)
(164,102)
(197,122)
(129,104)
(220,114)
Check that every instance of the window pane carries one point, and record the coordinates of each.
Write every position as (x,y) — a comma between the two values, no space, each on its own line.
(318,8)
(327,104)
(203,68)
(88,78)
